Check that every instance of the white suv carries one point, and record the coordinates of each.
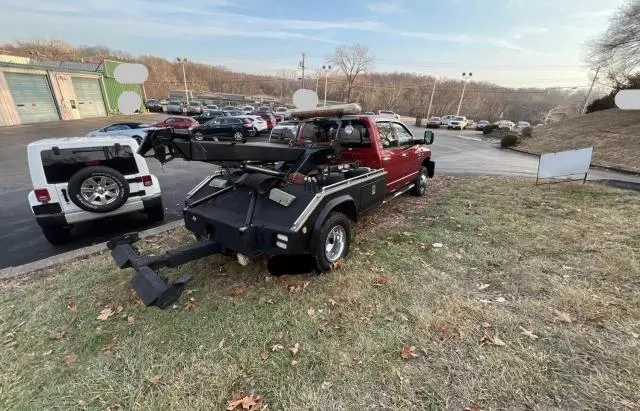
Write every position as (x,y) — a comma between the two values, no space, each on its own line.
(88,178)
(459,122)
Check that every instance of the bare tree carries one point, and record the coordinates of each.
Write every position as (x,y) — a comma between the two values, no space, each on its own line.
(352,60)
(618,49)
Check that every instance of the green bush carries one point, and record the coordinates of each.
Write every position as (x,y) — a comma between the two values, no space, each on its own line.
(488,129)
(509,140)
(526,132)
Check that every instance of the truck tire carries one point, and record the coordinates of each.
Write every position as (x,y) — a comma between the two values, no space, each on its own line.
(420,188)
(333,241)
(56,235)
(98,189)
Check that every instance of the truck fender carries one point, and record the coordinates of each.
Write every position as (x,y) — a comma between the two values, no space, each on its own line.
(344,203)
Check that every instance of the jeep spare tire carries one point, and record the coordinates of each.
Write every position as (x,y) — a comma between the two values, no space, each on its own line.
(98,189)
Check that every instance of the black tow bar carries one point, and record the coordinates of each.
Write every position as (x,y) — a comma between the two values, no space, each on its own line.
(152,289)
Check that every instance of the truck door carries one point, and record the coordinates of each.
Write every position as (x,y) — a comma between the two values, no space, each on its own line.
(408,158)
(393,156)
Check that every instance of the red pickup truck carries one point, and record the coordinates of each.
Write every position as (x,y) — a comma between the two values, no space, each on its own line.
(294,203)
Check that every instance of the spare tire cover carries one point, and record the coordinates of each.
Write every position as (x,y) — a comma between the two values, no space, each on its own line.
(98,189)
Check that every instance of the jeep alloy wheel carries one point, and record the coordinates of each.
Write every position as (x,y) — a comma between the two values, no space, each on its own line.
(100,190)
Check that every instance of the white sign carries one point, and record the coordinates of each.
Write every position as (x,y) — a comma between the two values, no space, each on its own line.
(565,163)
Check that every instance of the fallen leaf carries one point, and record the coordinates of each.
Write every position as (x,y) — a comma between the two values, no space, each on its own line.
(472,407)
(528,333)
(566,267)
(634,335)
(337,265)
(249,402)
(58,335)
(138,303)
(221,343)
(483,286)
(71,305)
(189,292)
(175,306)
(277,347)
(442,332)
(485,324)
(426,247)
(119,309)
(295,349)
(44,354)
(381,280)
(191,304)
(332,302)
(436,245)
(238,291)
(561,316)
(131,319)
(294,289)
(264,355)
(501,300)
(106,348)
(492,340)
(305,285)
(408,352)
(154,379)
(311,312)
(326,385)
(294,362)
(105,314)
(70,358)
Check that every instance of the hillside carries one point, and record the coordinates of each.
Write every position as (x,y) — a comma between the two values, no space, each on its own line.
(614,135)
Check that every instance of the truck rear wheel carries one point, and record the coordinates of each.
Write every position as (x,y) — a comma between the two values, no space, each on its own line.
(333,241)
(420,184)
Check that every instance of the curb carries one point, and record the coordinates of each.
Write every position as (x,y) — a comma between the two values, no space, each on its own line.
(615,169)
(11,272)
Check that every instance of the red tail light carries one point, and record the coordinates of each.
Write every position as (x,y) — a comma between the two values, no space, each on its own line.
(247,125)
(42,195)
(147,181)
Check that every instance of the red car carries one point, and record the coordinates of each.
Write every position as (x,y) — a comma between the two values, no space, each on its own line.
(269,118)
(177,122)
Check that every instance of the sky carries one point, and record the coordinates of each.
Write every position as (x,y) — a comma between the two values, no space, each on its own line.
(515,43)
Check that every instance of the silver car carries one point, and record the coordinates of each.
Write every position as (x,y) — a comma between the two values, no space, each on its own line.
(174,107)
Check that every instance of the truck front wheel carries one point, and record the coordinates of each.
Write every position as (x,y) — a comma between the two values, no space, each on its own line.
(420,184)
(333,241)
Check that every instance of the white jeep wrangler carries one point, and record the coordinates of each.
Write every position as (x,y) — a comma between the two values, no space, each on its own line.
(88,178)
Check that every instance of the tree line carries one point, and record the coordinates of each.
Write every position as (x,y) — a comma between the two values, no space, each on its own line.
(352,79)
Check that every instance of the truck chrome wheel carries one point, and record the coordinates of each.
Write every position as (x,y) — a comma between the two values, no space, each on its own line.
(335,244)
(422,184)
(237,135)
(100,190)
(199,136)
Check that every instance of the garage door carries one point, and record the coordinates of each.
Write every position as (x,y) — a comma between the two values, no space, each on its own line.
(32,97)
(89,95)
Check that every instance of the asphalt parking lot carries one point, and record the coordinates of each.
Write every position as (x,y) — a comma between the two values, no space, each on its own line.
(21,240)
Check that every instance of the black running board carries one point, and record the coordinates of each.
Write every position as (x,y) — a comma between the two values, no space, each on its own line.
(153,290)
(398,193)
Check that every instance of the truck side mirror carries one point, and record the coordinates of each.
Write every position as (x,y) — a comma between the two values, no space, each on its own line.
(428,137)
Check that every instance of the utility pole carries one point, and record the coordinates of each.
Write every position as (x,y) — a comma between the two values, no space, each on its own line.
(433,91)
(183,60)
(302,66)
(464,86)
(586,101)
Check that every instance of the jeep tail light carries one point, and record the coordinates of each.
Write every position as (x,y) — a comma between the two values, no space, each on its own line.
(42,195)
(147,181)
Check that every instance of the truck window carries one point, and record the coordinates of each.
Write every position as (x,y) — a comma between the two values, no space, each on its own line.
(386,135)
(319,131)
(356,136)
(403,135)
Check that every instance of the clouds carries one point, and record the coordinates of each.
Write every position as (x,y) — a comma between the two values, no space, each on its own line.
(383,7)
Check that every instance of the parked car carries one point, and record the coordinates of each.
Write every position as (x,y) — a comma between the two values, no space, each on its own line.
(505,125)
(480,125)
(434,122)
(177,123)
(281,111)
(270,119)
(136,130)
(229,108)
(388,113)
(195,107)
(259,123)
(76,180)
(284,131)
(444,120)
(458,122)
(154,106)
(164,102)
(522,124)
(211,107)
(225,128)
(174,107)
(209,115)
(247,109)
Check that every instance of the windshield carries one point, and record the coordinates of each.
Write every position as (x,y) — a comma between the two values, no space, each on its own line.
(174,103)
(319,131)
(194,103)
(458,118)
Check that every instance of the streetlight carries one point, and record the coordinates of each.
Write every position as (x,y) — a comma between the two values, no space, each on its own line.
(433,91)
(464,86)
(326,69)
(184,76)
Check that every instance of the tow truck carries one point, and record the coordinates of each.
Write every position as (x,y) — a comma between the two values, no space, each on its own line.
(294,202)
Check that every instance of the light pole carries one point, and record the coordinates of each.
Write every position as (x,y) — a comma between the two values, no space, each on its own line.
(433,91)
(183,60)
(326,69)
(464,86)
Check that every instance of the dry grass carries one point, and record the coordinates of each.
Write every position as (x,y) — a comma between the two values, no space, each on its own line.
(513,254)
(614,135)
